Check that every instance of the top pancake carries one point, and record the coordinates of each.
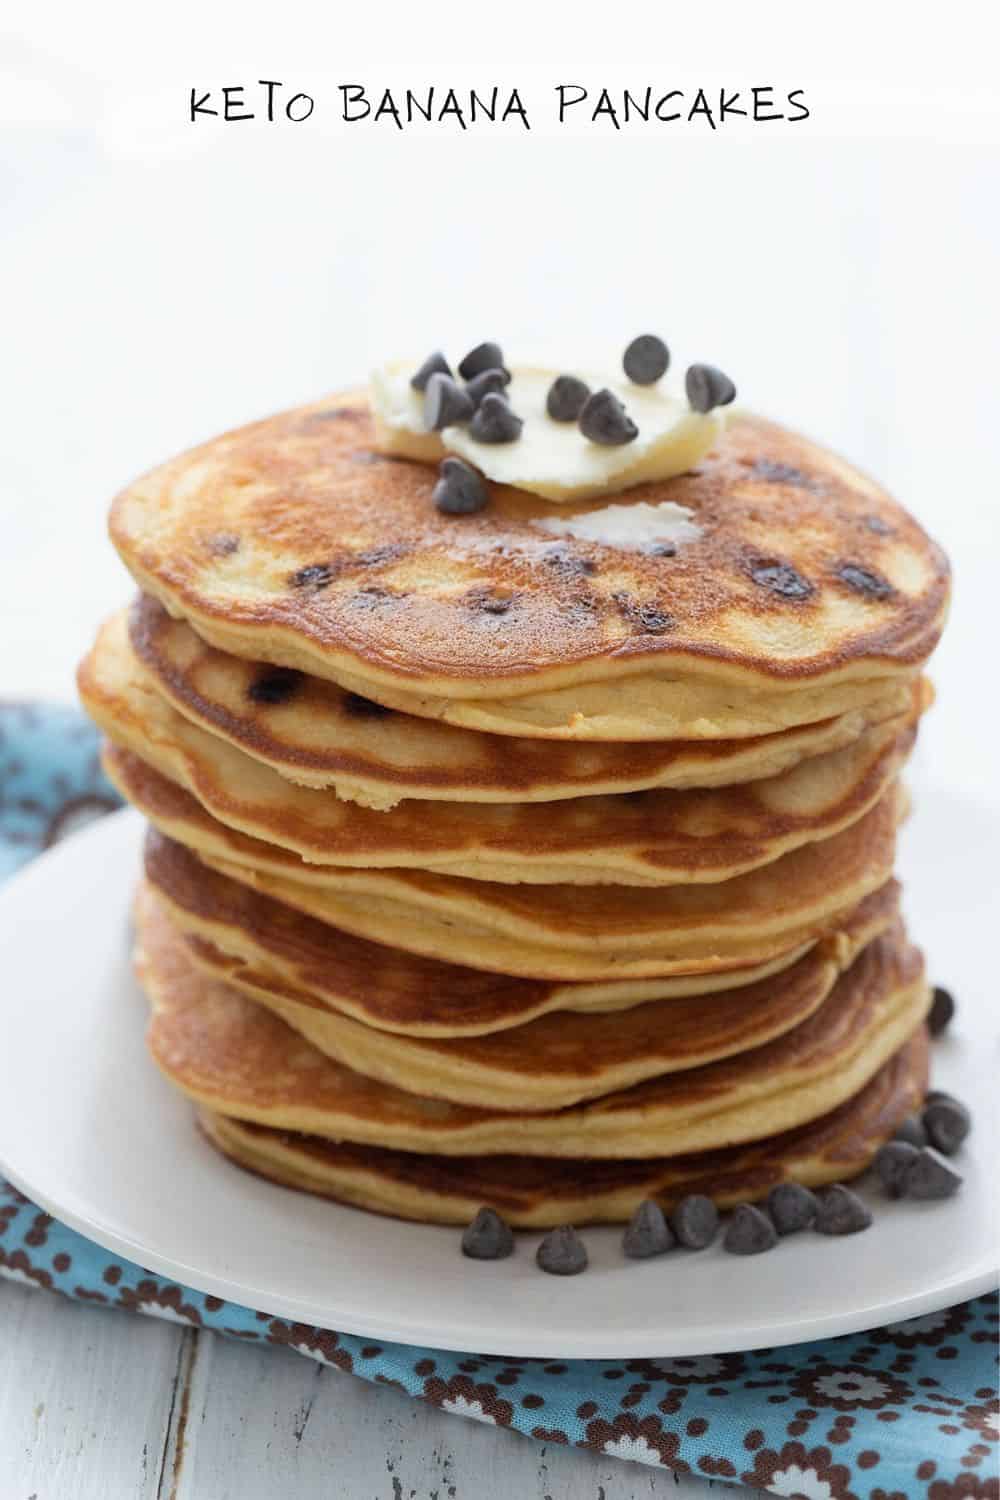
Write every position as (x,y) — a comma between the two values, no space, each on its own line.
(290,541)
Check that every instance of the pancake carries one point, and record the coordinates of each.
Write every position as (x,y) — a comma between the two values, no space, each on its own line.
(580,933)
(320,735)
(560,1059)
(280,955)
(533,1193)
(234,1057)
(648,838)
(807,594)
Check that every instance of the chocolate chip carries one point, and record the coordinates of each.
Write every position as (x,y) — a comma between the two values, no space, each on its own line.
(650,619)
(947,1123)
(912,1132)
(460,491)
(494,422)
(942,1011)
(646,359)
(892,1163)
(482,357)
(864,581)
(489,603)
(930,1177)
(387,552)
(364,708)
(792,1207)
(562,1252)
(707,387)
(276,685)
(749,1231)
(566,398)
(604,420)
(569,563)
(315,576)
(488,1237)
(490,382)
(695,1221)
(841,1212)
(876,524)
(223,544)
(434,364)
(661,549)
(648,1232)
(782,579)
(777,473)
(445,403)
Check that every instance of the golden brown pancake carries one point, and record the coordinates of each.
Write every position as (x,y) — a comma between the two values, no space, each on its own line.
(234,1057)
(290,541)
(648,838)
(282,957)
(580,933)
(560,1059)
(319,735)
(533,1193)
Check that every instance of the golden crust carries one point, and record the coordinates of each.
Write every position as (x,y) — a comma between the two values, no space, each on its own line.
(291,541)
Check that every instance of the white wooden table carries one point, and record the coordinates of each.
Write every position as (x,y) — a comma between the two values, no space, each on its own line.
(97,1404)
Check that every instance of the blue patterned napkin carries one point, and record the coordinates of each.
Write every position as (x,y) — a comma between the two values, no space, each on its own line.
(909,1410)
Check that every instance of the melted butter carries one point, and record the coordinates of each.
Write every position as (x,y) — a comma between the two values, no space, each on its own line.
(636,527)
(552,459)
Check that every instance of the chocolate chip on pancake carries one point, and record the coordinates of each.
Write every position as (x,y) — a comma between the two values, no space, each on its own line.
(562,1252)
(749,1231)
(434,364)
(604,420)
(488,1237)
(777,473)
(841,1211)
(780,578)
(708,387)
(942,1011)
(648,1232)
(313,576)
(494,422)
(223,544)
(445,403)
(487,356)
(275,685)
(460,491)
(566,398)
(489,382)
(364,708)
(646,359)
(864,581)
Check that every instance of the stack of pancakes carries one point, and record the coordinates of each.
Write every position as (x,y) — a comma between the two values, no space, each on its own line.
(489,865)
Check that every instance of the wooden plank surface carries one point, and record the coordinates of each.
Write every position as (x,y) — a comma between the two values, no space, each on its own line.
(99,1405)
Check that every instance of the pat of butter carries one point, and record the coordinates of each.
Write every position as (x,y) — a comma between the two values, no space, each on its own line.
(636,526)
(552,459)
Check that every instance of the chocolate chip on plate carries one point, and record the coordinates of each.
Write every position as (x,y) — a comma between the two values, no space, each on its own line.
(488,1237)
(494,422)
(445,403)
(695,1221)
(460,491)
(562,1252)
(566,398)
(942,1011)
(483,357)
(792,1207)
(947,1123)
(434,364)
(749,1231)
(646,359)
(708,387)
(892,1163)
(841,1211)
(485,383)
(911,1132)
(604,420)
(930,1177)
(648,1232)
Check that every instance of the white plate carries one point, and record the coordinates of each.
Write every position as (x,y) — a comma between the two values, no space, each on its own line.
(90,1131)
